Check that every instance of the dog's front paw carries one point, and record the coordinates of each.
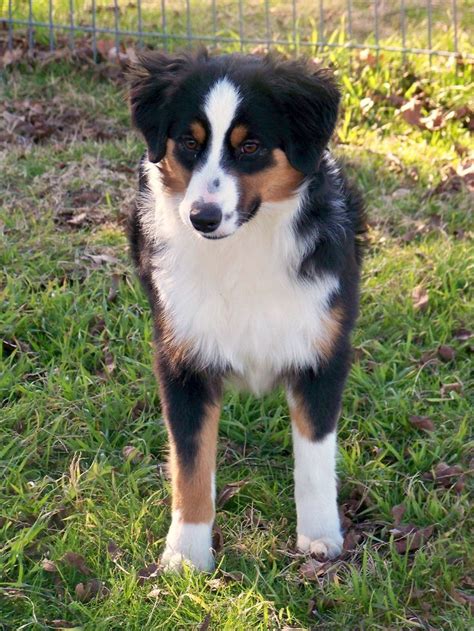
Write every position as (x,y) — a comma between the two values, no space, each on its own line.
(328,547)
(188,544)
(173,560)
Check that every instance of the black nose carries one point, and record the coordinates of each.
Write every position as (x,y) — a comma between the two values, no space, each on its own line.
(205,217)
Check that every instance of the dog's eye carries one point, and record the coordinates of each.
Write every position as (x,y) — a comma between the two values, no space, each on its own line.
(190,143)
(249,147)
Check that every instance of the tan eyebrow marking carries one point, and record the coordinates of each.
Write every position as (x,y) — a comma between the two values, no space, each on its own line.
(237,135)
(198,132)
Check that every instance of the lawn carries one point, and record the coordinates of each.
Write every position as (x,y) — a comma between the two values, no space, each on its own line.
(84,495)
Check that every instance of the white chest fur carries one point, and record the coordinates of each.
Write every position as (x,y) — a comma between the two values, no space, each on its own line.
(237,301)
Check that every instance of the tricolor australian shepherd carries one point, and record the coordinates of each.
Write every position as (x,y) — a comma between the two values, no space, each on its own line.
(245,237)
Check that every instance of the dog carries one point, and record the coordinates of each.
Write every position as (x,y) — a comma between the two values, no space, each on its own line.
(246,238)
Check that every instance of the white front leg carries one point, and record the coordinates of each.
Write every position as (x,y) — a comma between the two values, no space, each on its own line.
(318,527)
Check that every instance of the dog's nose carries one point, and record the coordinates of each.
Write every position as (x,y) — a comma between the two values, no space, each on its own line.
(205,217)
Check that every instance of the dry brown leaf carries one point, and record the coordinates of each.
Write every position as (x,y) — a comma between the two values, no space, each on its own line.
(446,353)
(114,551)
(94,588)
(397,513)
(49,566)
(204,626)
(312,569)
(63,624)
(233,577)
(462,334)
(463,598)
(77,220)
(114,286)
(411,112)
(420,298)
(447,476)
(229,491)
(149,571)
(351,540)
(217,539)
(422,422)
(446,388)
(409,538)
(76,561)
(132,454)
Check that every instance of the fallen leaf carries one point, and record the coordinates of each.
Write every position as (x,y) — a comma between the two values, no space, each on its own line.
(204,626)
(397,513)
(109,361)
(411,112)
(156,592)
(233,577)
(91,589)
(420,298)
(368,57)
(99,259)
(77,220)
(462,334)
(422,422)
(84,197)
(63,624)
(149,571)
(400,193)
(351,540)
(77,561)
(229,491)
(114,285)
(132,454)
(446,353)
(446,388)
(217,539)
(49,566)
(435,120)
(114,551)
(312,569)
(463,598)
(408,538)
(447,476)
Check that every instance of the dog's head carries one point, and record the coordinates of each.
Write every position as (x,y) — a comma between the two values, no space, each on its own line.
(230,133)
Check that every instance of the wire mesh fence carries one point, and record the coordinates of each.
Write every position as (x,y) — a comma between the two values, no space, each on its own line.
(427,27)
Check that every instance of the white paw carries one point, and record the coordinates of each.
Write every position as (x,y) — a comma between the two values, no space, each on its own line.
(328,547)
(173,560)
(189,544)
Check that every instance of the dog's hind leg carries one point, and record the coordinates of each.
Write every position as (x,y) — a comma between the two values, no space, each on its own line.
(191,404)
(314,399)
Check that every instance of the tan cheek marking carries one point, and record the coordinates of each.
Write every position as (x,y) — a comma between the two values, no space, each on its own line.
(274,184)
(198,132)
(332,324)
(238,135)
(192,489)
(175,176)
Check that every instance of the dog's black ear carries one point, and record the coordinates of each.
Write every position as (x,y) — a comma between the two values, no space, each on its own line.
(309,97)
(153,81)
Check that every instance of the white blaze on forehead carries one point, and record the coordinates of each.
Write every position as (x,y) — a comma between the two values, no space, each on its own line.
(220,107)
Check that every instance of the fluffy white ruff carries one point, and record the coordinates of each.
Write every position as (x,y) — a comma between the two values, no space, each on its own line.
(238,302)
(318,527)
(188,543)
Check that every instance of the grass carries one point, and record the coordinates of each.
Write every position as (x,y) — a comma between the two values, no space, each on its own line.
(77,387)
(302,23)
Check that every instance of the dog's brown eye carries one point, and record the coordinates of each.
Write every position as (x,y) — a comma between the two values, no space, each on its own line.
(249,147)
(191,144)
